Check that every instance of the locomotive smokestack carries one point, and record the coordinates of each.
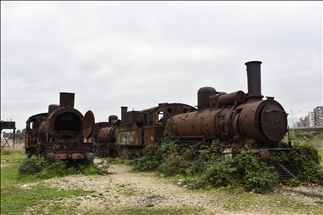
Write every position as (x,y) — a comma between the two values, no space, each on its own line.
(254,80)
(123,112)
(66,100)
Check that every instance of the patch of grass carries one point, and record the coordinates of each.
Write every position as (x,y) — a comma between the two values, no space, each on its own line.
(21,196)
(273,203)
(10,176)
(16,200)
(126,190)
(18,148)
(13,157)
(312,195)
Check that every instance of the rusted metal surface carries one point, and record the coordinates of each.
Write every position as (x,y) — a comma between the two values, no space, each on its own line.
(232,98)
(195,124)
(136,129)
(254,80)
(108,134)
(152,134)
(104,137)
(273,121)
(203,95)
(8,125)
(60,133)
(264,121)
(128,134)
(66,99)
(236,118)
(132,116)
(64,123)
(88,124)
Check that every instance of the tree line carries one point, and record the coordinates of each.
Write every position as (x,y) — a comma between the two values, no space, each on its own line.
(19,134)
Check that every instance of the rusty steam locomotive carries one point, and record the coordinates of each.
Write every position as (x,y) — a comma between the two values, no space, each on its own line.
(62,133)
(236,119)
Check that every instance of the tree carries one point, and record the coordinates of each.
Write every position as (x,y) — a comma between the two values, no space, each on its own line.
(19,135)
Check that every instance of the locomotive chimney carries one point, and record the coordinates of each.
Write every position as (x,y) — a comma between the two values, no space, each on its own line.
(123,112)
(254,80)
(66,100)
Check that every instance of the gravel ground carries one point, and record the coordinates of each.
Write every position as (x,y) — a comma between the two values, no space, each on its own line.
(124,189)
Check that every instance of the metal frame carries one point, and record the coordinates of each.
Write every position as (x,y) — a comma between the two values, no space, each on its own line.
(8,125)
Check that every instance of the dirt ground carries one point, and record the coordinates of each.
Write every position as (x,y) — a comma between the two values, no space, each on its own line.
(125,189)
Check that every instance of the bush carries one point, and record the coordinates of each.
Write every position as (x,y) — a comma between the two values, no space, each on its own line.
(245,170)
(42,168)
(206,168)
(154,156)
(33,165)
(256,175)
(307,168)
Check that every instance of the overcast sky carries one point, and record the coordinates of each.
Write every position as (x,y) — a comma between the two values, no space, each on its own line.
(139,54)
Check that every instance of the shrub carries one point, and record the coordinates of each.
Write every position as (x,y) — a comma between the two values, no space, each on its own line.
(207,168)
(154,156)
(256,175)
(42,168)
(221,173)
(33,165)
(307,168)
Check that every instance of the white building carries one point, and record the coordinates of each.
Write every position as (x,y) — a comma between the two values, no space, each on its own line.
(318,116)
(310,119)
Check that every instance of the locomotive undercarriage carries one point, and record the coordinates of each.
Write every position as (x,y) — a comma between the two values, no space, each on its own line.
(104,150)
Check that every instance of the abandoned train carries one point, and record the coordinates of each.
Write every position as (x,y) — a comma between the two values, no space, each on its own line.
(236,119)
(61,133)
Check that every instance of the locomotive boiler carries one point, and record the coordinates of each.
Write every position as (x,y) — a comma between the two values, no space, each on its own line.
(104,137)
(235,118)
(61,133)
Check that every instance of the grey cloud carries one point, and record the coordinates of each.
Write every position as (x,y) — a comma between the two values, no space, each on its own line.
(138,54)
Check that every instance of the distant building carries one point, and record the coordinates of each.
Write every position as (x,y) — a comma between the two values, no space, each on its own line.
(310,119)
(314,118)
(318,116)
(303,122)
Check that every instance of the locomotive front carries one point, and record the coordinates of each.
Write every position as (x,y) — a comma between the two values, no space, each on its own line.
(61,134)
(236,118)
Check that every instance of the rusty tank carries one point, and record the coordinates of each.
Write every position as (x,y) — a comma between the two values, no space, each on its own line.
(61,133)
(104,137)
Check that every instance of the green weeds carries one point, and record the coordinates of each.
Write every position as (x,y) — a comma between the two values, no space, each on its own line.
(206,168)
(16,200)
(39,167)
